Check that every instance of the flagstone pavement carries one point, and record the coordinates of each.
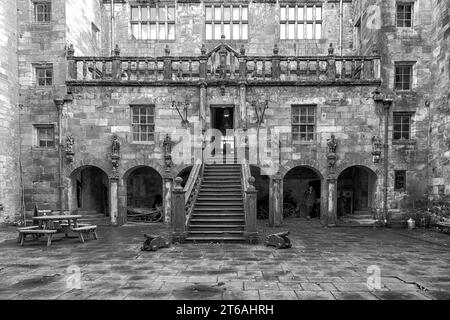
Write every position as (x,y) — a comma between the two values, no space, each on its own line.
(324,263)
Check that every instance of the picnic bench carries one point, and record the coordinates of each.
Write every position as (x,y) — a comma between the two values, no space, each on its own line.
(48,225)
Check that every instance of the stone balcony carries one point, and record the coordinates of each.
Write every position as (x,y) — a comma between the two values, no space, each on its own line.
(223,66)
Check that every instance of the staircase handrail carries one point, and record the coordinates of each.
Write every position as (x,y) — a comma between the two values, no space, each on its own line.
(245,172)
(192,189)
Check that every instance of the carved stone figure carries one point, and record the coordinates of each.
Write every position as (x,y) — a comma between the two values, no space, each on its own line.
(332,144)
(69,148)
(167,146)
(115,157)
(115,146)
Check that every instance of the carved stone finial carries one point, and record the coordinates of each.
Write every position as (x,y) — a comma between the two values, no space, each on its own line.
(331,50)
(377,146)
(167,50)
(242,50)
(203,49)
(375,51)
(275,49)
(222,37)
(117,51)
(70,51)
(69,148)
(251,181)
(178,181)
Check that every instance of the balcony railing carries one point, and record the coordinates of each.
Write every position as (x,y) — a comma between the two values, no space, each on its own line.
(221,65)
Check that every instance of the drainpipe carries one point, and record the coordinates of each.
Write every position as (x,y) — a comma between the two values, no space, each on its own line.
(341,25)
(59,105)
(387,106)
(112,28)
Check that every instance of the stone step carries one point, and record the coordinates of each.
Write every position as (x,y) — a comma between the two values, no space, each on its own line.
(208,203)
(216,221)
(220,209)
(214,227)
(206,238)
(218,216)
(220,185)
(205,198)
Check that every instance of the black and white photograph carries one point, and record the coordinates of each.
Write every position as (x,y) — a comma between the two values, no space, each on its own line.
(235,152)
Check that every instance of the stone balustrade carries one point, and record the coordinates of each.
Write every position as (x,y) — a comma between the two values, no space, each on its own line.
(223,65)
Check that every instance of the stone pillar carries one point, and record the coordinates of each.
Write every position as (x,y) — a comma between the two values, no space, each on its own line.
(251,227)
(331,72)
(242,105)
(116,65)
(332,202)
(167,199)
(202,111)
(179,213)
(167,68)
(114,200)
(276,201)
(276,70)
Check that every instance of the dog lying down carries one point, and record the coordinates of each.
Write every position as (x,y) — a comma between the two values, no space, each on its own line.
(153,243)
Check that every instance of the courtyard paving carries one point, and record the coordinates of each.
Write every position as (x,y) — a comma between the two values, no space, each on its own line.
(323,264)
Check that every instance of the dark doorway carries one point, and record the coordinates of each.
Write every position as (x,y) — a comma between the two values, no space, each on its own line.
(222,118)
(356,190)
(295,185)
(91,191)
(144,188)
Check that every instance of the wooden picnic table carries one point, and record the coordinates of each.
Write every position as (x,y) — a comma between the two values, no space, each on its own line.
(44,221)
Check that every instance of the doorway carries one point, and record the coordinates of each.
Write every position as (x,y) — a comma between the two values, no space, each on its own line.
(222,119)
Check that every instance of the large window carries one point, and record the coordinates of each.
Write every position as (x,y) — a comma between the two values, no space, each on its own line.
(156,22)
(230,21)
(143,122)
(405,15)
(402,126)
(298,21)
(44,76)
(303,123)
(45,135)
(403,76)
(42,11)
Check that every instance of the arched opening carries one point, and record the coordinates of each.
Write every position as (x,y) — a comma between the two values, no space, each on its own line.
(144,189)
(356,192)
(90,191)
(184,174)
(262,185)
(301,193)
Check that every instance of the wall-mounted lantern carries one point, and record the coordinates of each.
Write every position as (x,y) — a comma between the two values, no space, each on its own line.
(377,146)
(182,109)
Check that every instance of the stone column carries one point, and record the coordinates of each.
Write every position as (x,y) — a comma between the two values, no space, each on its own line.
(275,201)
(242,105)
(114,200)
(167,198)
(179,213)
(251,228)
(202,111)
(332,202)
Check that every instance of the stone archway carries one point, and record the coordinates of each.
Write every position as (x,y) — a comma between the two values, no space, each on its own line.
(89,191)
(296,183)
(356,190)
(144,187)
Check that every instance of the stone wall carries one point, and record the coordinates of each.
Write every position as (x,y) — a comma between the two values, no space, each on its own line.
(9,114)
(440,103)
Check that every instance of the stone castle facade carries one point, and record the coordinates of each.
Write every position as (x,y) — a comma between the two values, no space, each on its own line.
(355,70)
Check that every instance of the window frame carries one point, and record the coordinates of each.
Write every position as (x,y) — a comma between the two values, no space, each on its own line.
(139,133)
(157,22)
(45,69)
(410,115)
(397,175)
(296,21)
(45,126)
(404,12)
(305,124)
(241,22)
(48,13)
(400,86)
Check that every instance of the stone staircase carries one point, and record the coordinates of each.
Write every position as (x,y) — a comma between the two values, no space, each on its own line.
(360,219)
(218,214)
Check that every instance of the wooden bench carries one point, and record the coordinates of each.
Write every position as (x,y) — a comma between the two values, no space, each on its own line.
(36,232)
(86,229)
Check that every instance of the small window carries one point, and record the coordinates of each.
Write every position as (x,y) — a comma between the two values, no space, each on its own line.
(228,20)
(143,122)
(403,77)
(402,126)
(303,123)
(42,11)
(300,21)
(405,15)
(44,76)
(400,180)
(45,136)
